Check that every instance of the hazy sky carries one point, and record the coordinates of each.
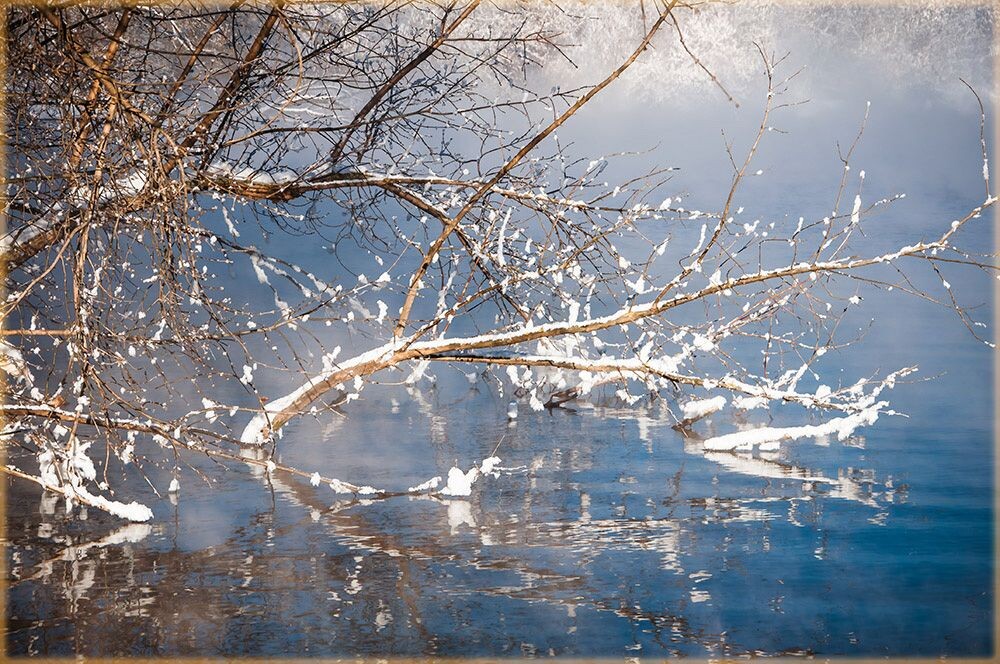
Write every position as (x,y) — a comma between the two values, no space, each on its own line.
(923,128)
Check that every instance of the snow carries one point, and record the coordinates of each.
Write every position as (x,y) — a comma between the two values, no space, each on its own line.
(21,236)
(501,260)
(843,427)
(341,487)
(749,403)
(488,467)
(703,343)
(77,469)
(459,482)
(12,362)
(429,485)
(133,511)
(47,468)
(267,178)
(856,212)
(419,369)
(346,487)
(639,285)
(512,410)
(258,270)
(314,479)
(701,241)
(210,407)
(126,186)
(132,185)
(258,428)
(79,465)
(694,410)
(253,433)
(175,486)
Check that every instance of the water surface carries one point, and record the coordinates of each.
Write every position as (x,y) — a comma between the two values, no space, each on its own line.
(609,533)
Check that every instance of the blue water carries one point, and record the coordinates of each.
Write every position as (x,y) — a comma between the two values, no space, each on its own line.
(613,534)
(616,535)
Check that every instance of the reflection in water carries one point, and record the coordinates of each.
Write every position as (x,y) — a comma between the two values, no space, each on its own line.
(619,536)
(850,484)
(70,568)
(589,530)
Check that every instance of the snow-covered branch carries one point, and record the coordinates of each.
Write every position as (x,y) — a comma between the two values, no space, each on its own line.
(231,215)
(281,410)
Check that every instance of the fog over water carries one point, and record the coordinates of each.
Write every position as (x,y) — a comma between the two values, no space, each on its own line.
(608,533)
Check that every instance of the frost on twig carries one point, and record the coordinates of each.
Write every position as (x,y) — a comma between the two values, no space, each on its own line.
(696,409)
(768,438)
(132,511)
(460,482)
(862,407)
(189,279)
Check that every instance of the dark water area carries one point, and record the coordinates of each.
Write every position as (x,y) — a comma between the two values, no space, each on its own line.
(607,533)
